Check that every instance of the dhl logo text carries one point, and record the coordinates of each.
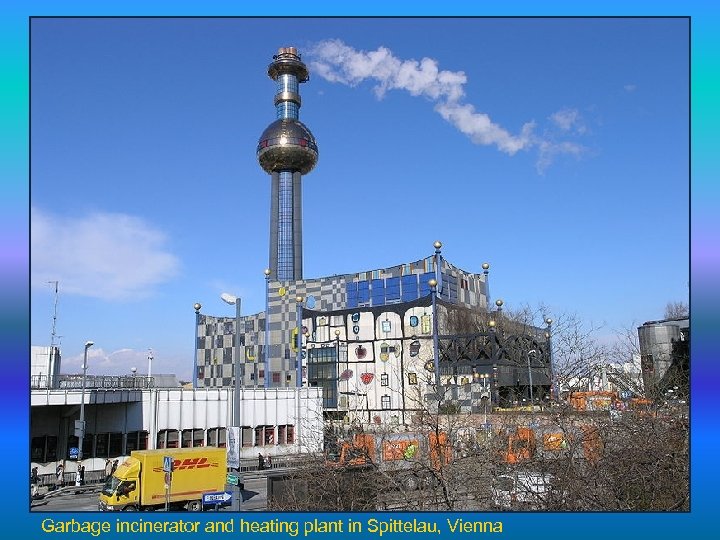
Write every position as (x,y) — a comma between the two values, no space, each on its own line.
(189,463)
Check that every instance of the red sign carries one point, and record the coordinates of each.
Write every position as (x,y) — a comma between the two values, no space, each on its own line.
(189,463)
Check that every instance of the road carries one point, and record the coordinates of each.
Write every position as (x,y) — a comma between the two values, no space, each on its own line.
(254,498)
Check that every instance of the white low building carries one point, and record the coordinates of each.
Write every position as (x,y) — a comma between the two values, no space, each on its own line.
(274,422)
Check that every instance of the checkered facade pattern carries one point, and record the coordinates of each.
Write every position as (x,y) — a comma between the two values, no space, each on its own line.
(397,285)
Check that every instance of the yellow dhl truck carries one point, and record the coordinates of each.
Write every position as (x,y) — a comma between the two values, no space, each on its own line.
(139,481)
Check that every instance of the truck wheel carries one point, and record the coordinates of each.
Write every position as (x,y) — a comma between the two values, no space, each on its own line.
(130,508)
(194,506)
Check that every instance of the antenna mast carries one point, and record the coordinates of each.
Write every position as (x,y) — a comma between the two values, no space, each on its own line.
(53,335)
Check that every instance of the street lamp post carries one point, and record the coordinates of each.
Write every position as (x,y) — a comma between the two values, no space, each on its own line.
(236,301)
(81,431)
(337,348)
(197,307)
(486,395)
(553,376)
(266,345)
(491,339)
(486,272)
(299,336)
(150,359)
(337,358)
(532,402)
(436,352)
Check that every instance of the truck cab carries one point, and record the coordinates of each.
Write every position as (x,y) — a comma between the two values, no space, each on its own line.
(121,491)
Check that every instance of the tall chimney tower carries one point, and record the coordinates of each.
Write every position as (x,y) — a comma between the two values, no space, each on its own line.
(287,150)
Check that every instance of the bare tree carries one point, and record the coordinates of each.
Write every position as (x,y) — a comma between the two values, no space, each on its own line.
(676,310)
(643,466)
(441,458)
(625,369)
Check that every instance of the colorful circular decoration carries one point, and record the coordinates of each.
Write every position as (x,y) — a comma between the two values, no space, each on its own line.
(282,291)
(414,321)
(346,375)
(355,317)
(430,365)
(310,302)
(415,348)
(360,352)
(367,378)
(356,329)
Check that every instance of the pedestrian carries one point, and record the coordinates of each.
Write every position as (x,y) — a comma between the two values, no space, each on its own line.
(268,461)
(261,462)
(114,467)
(82,475)
(77,477)
(34,482)
(59,475)
(108,469)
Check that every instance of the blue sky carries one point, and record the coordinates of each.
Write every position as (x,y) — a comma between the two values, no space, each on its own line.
(554,149)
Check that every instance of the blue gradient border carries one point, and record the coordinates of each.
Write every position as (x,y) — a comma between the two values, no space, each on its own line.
(705,293)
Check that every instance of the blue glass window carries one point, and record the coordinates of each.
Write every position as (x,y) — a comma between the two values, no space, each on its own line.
(286,83)
(392,289)
(285,269)
(352,294)
(409,288)
(363,292)
(287,109)
(378,292)
(424,287)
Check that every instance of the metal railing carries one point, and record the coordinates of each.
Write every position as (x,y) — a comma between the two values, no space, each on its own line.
(277,462)
(74,382)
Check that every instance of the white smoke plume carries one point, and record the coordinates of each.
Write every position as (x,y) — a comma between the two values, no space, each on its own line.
(335,61)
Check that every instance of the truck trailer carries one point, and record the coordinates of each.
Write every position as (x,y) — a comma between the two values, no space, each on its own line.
(142,483)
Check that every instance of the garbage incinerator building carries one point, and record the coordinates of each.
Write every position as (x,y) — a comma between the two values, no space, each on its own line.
(377,342)
(372,347)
